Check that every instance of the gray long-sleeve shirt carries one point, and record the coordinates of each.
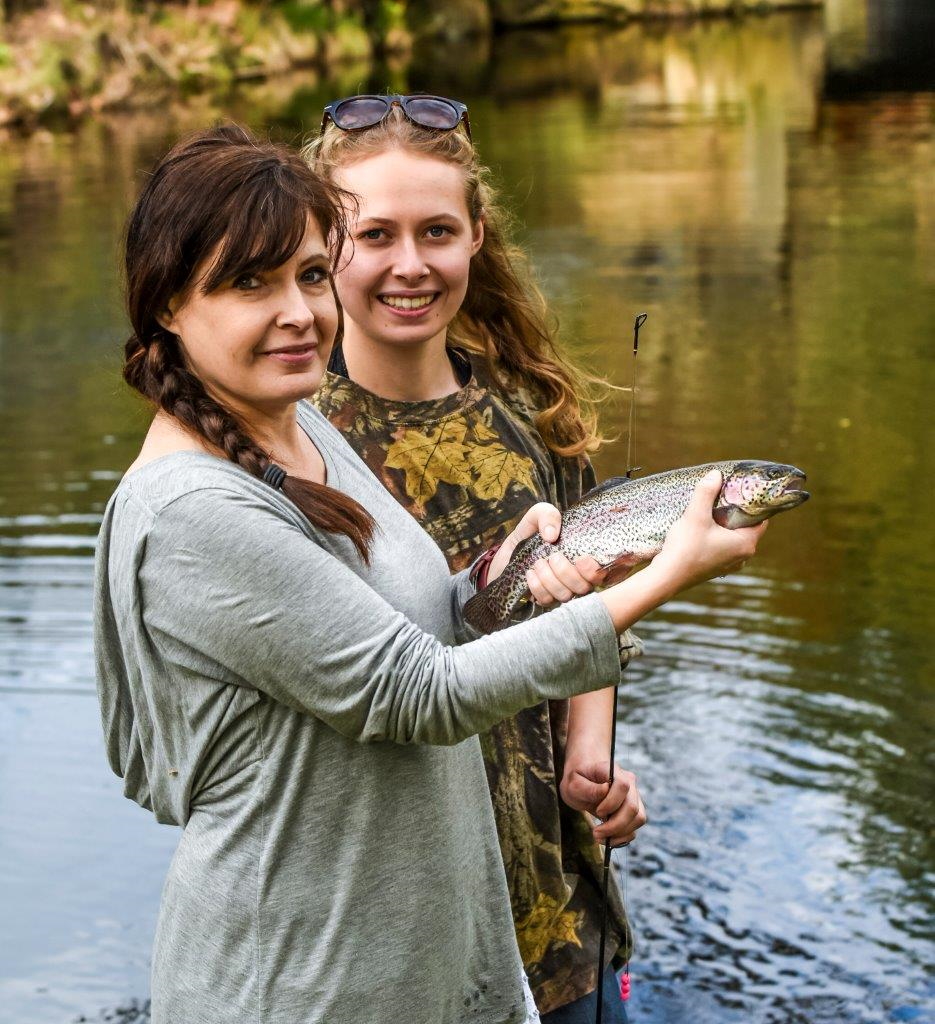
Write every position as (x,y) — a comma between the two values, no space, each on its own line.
(308,722)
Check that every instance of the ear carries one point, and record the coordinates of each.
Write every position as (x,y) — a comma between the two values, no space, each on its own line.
(167,318)
(477,235)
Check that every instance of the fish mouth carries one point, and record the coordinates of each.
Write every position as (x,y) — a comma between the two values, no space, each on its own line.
(792,492)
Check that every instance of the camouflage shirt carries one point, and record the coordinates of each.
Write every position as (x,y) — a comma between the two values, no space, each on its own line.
(467,467)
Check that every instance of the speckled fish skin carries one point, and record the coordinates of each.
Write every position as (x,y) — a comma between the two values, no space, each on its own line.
(624,522)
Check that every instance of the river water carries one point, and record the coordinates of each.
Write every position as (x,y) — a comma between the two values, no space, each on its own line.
(781,235)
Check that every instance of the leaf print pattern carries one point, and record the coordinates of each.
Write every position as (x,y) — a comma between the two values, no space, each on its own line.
(496,469)
(428,457)
(547,922)
(480,424)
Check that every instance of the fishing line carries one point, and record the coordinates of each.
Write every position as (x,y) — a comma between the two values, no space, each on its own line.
(625,978)
(631,424)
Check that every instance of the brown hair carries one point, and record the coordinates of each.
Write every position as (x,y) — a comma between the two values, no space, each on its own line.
(504,315)
(225,190)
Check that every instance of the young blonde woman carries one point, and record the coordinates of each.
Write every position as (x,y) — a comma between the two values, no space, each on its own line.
(448,383)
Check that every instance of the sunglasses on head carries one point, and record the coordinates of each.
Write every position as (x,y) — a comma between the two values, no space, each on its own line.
(356,112)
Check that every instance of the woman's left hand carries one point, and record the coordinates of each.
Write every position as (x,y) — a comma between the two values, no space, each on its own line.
(554,578)
(619,806)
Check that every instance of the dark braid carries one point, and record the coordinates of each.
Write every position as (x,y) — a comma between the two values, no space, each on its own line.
(163,228)
(162,376)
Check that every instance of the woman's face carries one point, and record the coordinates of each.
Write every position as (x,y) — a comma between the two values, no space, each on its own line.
(261,341)
(413,240)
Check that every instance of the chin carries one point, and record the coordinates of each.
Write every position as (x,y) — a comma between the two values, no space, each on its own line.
(296,386)
(404,334)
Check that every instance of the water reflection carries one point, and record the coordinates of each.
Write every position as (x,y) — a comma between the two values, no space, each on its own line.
(784,245)
(772,782)
(880,45)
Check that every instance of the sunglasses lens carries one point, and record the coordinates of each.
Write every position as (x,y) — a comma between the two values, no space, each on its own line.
(359,112)
(432,112)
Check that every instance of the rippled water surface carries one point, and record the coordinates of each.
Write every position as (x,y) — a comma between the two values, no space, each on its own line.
(781,235)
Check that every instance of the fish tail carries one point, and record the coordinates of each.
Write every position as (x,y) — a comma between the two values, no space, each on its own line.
(481,614)
(487,611)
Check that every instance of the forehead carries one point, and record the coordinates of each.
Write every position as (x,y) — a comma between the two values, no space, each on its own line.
(314,240)
(398,185)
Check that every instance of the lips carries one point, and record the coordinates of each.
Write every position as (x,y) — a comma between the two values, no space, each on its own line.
(294,353)
(408,305)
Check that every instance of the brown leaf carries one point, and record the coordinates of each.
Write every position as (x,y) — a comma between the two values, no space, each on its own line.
(496,468)
(429,457)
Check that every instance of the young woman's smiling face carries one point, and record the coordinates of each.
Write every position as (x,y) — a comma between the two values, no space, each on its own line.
(413,238)
(261,341)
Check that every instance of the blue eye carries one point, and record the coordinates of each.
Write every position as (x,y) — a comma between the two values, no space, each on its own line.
(372,235)
(438,231)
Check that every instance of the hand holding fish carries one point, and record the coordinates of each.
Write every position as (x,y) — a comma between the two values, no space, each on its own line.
(553,578)
(618,805)
(696,548)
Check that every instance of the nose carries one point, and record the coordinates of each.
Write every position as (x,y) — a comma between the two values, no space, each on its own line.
(408,263)
(294,311)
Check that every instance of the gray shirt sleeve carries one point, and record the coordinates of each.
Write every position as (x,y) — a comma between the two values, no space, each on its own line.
(462,590)
(233,591)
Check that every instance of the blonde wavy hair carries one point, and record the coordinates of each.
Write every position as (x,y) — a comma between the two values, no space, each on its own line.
(504,316)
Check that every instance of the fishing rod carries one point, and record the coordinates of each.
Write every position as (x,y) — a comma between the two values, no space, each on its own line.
(625,978)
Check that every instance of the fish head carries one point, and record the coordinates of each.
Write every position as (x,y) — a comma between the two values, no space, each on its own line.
(755,490)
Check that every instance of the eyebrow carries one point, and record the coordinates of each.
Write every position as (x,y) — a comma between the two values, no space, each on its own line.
(425,220)
(317,257)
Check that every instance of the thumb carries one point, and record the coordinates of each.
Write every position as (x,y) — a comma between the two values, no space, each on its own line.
(542,518)
(705,493)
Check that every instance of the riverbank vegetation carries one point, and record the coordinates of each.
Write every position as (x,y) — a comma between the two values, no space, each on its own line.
(66,60)
(62,60)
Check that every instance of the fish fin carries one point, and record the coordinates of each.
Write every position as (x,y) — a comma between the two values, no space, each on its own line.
(606,485)
(620,568)
(732,517)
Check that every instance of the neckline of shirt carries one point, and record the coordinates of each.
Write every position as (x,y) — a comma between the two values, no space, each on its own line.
(419,413)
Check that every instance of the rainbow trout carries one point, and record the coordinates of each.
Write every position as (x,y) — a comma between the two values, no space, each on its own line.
(624,522)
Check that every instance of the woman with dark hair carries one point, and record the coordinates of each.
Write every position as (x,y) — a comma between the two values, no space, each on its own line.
(275,638)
